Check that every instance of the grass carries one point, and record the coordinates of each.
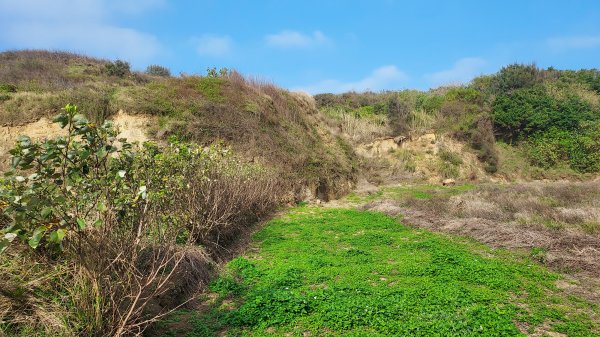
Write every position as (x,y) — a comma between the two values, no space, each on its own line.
(424,192)
(405,193)
(334,272)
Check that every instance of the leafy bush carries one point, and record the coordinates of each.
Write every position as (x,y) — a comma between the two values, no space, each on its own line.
(450,157)
(124,218)
(7,88)
(117,68)
(516,76)
(580,150)
(158,70)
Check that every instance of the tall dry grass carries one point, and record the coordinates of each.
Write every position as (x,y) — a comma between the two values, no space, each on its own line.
(557,205)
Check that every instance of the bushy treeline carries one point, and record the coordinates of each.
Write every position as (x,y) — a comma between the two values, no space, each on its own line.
(553,114)
(101,237)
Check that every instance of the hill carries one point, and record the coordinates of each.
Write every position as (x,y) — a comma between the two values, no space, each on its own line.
(124,234)
(259,120)
(521,123)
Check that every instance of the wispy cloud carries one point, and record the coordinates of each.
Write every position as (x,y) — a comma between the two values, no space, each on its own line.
(294,39)
(213,45)
(461,72)
(381,78)
(83,26)
(574,42)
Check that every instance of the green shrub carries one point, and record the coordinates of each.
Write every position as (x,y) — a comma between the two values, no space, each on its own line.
(7,88)
(158,70)
(464,94)
(123,219)
(211,89)
(117,68)
(448,170)
(516,76)
(450,157)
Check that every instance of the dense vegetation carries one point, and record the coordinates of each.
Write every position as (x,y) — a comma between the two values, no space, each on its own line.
(340,272)
(552,115)
(122,233)
(101,236)
(259,120)
(115,228)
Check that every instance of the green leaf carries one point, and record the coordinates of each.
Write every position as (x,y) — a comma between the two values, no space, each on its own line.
(3,245)
(6,240)
(37,236)
(46,212)
(57,236)
(101,153)
(142,192)
(121,173)
(80,119)
(101,207)
(81,224)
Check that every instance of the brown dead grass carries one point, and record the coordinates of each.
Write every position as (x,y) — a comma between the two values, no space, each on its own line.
(556,222)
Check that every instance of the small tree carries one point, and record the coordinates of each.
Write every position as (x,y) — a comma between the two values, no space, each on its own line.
(87,194)
(118,68)
(158,70)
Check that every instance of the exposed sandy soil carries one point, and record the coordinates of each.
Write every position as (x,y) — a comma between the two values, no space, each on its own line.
(422,154)
(132,127)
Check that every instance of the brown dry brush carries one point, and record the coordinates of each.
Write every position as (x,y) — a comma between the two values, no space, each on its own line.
(117,279)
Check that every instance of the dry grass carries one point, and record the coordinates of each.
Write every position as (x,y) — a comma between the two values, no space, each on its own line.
(260,120)
(573,205)
(43,70)
(556,223)
(356,129)
(264,123)
(33,295)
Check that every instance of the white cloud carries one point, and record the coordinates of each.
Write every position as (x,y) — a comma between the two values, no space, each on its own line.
(212,45)
(461,72)
(573,42)
(381,78)
(83,26)
(294,39)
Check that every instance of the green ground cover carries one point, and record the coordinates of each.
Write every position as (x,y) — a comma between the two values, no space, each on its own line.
(341,272)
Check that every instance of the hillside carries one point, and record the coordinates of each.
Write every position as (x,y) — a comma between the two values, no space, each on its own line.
(259,120)
(521,123)
(140,203)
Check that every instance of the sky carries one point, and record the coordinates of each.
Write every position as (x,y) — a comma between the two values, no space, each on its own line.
(316,46)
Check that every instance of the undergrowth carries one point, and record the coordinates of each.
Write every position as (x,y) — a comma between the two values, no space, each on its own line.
(334,272)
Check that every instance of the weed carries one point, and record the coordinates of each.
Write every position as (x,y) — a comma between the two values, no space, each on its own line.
(448,170)
(450,157)
(343,272)
(210,87)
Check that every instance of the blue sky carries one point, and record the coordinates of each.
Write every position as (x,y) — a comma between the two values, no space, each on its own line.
(316,46)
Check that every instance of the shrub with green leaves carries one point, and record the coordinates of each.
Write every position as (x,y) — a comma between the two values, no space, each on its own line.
(55,186)
(125,219)
(158,70)
(117,68)
(7,88)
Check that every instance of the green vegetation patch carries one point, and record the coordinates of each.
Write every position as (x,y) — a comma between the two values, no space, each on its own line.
(334,272)
(211,89)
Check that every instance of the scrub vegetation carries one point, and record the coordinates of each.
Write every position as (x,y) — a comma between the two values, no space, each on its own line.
(256,211)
